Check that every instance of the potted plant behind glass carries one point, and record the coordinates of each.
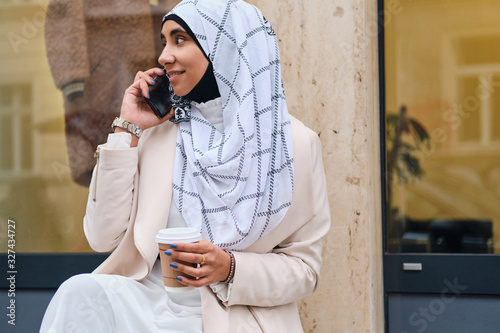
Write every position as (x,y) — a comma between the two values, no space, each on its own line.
(405,137)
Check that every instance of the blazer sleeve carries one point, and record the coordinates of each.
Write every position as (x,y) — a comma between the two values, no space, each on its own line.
(290,272)
(110,198)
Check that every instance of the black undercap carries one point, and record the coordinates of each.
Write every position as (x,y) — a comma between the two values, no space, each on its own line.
(206,90)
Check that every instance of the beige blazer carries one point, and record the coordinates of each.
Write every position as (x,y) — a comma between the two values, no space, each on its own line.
(129,202)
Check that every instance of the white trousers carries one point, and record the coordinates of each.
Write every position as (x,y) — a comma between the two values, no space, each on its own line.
(95,303)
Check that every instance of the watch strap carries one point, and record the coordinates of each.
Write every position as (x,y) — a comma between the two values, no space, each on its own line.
(128,126)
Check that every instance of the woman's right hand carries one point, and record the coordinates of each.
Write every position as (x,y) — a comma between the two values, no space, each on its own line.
(134,107)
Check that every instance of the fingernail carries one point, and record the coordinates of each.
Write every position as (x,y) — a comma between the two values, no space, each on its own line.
(173,246)
(153,80)
(168,253)
(174,265)
(148,96)
(178,278)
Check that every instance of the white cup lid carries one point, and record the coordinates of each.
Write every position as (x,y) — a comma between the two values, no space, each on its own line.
(181,235)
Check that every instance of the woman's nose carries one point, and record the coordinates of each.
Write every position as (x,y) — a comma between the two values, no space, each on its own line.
(166,57)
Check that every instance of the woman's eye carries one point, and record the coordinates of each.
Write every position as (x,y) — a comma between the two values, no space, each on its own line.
(179,40)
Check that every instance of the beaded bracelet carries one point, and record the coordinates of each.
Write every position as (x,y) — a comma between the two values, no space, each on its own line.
(231,270)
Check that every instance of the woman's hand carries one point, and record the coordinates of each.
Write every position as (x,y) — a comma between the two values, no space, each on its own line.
(134,107)
(215,268)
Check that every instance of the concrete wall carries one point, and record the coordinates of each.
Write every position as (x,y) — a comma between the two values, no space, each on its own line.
(329,59)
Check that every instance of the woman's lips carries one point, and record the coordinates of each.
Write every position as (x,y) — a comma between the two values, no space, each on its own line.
(173,75)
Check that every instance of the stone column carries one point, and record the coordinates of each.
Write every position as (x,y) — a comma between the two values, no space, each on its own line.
(330,71)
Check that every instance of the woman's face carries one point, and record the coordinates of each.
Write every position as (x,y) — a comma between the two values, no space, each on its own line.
(181,57)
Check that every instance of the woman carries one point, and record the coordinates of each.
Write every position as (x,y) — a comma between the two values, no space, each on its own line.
(228,168)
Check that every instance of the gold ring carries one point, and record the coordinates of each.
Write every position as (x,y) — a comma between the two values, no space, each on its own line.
(203,260)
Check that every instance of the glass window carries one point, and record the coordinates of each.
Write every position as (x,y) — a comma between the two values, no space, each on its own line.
(65,67)
(442,63)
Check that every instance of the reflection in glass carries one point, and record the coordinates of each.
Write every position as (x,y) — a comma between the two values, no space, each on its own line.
(6,151)
(65,66)
(26,139)
(495,116)
(469,131)
(443,127)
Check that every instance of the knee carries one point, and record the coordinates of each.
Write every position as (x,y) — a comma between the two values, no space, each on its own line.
(74,305)
(76,283)
(80,287)
(83,296)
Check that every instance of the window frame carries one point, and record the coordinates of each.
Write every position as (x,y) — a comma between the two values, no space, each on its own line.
(17,112)
(483,72)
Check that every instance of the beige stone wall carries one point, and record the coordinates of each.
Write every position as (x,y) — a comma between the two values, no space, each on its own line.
(330,77)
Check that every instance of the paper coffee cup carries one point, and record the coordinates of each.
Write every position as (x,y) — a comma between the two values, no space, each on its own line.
(164,238)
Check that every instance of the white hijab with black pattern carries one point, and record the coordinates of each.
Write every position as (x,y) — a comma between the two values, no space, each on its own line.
(235,186)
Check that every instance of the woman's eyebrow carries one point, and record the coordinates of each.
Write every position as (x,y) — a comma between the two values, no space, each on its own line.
(175,31)
(172,33)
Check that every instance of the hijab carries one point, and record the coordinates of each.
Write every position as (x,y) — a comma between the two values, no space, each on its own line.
(235,186)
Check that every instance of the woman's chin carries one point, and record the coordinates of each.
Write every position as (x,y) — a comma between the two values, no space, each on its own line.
(179,91)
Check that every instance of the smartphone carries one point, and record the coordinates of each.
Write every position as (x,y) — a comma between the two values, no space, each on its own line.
(159,96)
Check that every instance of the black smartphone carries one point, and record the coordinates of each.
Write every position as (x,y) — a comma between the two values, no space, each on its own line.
(159,96)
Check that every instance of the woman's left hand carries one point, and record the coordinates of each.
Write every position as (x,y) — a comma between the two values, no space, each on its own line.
(214,262)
